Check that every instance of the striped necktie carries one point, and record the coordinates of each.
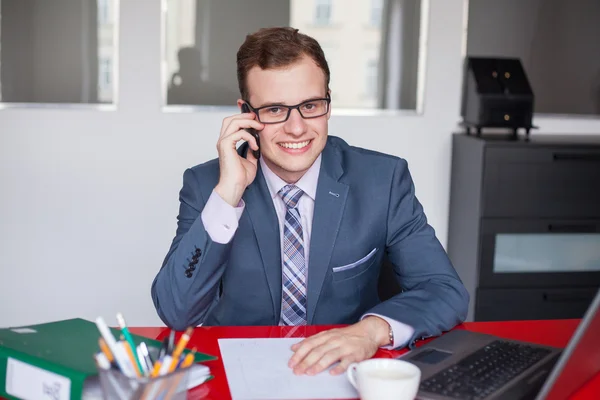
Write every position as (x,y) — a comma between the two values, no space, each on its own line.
(293,294)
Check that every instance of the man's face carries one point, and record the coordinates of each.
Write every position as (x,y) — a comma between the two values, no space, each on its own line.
(289,148)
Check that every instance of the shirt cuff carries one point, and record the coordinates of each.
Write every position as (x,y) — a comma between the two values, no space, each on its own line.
(220,219)
(402,332)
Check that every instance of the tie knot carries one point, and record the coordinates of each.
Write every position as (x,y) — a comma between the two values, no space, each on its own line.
(290,195)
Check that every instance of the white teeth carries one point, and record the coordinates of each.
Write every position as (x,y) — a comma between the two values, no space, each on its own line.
(295,145)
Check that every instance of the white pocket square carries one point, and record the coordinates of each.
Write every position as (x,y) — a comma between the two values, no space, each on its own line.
(356,263)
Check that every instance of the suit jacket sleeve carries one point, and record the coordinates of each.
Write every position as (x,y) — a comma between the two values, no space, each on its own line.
(187,285)
(433,298)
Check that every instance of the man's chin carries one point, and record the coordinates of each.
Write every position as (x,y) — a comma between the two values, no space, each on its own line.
(298,165)
(291,166)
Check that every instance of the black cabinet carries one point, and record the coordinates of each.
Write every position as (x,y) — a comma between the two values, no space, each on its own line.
(524,226)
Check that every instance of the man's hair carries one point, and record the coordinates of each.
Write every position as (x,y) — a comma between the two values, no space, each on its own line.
(279,47)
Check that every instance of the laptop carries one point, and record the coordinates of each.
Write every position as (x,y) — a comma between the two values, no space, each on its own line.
(475,366)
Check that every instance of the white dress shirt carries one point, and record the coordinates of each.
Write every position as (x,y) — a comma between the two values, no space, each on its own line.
(221,220)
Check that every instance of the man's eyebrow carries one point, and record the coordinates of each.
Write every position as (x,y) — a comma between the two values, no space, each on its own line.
(271,104)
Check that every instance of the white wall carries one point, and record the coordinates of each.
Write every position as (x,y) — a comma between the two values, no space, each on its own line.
(88,199)
(558,42)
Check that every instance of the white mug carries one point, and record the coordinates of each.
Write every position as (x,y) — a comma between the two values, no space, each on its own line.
(385,379)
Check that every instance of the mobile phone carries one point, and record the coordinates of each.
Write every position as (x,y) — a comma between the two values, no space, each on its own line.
(253,132)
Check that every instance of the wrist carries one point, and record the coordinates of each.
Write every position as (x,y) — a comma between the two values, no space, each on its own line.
(379,330)
(231,194)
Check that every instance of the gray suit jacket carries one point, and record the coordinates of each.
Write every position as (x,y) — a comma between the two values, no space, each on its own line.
(365,207)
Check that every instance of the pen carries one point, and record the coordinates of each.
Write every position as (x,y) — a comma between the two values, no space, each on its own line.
(102,361)
(142,361)
(166,365)
(183,341)
(171,342)
(163,348)
(119,355)
(129,340)
(144,355)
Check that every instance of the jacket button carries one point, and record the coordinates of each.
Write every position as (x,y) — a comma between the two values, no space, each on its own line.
(188,273)
(198,251)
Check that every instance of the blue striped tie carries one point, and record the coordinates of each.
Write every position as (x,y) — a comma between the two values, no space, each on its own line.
(293,295)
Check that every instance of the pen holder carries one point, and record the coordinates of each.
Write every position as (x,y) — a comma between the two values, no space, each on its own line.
(172,386)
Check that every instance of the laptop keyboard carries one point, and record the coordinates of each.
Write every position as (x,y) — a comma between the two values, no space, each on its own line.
(485,371)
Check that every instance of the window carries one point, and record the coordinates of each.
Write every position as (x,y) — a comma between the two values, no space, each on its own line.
(104,11)
(105,80)
(372,67)
(323,12)
(376,13)
(371,79)
(42,63)
(105,73)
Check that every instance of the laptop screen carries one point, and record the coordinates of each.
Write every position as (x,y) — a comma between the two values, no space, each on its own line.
(580,361)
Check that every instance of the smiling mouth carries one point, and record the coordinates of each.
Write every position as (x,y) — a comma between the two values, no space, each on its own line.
(299,145)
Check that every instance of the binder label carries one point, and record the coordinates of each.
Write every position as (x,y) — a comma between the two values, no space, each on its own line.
(28,382)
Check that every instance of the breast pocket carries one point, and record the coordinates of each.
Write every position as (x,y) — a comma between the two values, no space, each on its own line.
(351,270)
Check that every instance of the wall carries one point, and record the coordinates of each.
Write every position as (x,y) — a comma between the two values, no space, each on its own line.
(557,42)
(89,199)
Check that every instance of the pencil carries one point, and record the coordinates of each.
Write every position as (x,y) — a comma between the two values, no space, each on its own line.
(189,359)
(106,350)
(183,341)
(156,369)
(132,358)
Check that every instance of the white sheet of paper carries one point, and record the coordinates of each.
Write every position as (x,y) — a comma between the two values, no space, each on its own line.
(26,381)
(257,370)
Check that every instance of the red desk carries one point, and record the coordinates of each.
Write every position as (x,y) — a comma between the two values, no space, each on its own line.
(553,333)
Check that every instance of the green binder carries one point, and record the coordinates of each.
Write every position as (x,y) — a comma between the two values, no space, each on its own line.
(63,349)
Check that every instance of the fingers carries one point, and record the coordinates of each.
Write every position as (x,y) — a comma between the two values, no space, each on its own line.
(342,366)
(301,349)
(237,122)
(319,352)
(322,357)
(230,141)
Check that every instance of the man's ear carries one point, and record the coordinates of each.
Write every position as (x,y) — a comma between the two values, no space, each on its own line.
(239,103)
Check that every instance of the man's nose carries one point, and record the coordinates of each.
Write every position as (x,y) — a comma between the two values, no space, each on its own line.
(295,125)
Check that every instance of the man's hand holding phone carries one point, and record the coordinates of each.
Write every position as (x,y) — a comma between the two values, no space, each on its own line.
(236,172)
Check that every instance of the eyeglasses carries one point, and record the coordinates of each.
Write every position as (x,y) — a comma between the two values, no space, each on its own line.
(277,113)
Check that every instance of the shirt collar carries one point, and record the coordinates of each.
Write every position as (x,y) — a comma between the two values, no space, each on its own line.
(308,182)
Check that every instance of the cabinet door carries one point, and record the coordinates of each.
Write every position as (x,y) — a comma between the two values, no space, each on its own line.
(549,182)
(539,253)
(532,303)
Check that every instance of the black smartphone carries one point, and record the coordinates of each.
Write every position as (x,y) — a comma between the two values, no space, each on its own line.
(253,132)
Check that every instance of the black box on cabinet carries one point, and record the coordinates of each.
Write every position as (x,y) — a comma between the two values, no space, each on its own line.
(496,94)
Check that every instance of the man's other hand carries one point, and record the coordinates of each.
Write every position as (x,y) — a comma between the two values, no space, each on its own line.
(354,343)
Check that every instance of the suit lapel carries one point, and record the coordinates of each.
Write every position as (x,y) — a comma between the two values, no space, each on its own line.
(266,228)
(329,208)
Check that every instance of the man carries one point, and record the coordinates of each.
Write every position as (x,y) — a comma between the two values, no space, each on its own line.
(298,236)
